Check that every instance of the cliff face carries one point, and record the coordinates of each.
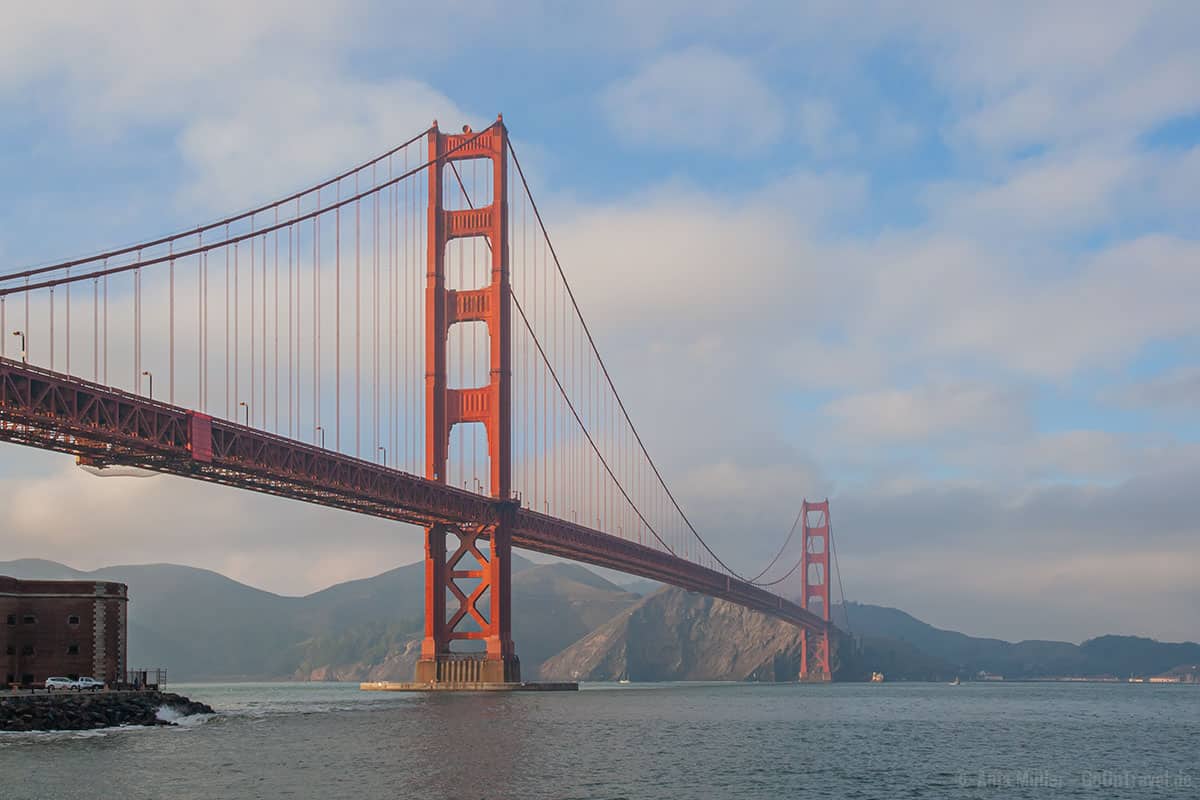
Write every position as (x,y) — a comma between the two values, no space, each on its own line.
(553,605)
(676,635)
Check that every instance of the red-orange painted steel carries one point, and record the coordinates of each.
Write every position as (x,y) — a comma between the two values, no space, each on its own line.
(200,436)
(489,404)
(102,425)
(815,584)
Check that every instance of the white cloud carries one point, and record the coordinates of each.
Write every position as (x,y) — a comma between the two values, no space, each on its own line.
(696,99)
(1056,195)
(1059,73)
(722,314)
(1177,390)
(282,546)
(930,413)
(274,135)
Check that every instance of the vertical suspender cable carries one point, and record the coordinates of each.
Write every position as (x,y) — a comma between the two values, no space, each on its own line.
(275,317)
(67,299)
(376,438)
(357,321)
(263,277)
(253,331)
(227,323)
(171,325)
(201,261)
(337,318)
(237,321)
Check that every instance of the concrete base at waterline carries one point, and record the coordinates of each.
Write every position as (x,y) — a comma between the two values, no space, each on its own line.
(454,686)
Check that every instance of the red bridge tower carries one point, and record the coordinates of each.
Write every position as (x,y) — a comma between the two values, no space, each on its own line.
(814,578)
(484,610)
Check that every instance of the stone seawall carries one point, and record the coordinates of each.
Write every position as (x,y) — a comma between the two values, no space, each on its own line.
(68,711)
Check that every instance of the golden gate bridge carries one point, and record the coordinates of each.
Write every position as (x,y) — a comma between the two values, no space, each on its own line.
(406,318)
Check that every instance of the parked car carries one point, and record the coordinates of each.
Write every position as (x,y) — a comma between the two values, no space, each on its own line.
(89,684)
(59,683)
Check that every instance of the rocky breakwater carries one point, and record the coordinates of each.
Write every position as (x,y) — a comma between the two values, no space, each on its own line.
(68,711)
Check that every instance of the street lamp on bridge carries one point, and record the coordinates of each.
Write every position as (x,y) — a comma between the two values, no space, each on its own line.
(24,351)
(246,406)
(321,431)
(150,375)
(383,450)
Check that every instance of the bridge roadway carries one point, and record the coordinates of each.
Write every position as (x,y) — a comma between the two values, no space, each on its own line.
(106,426)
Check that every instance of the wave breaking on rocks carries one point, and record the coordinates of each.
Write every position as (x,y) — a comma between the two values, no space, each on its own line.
(66,711)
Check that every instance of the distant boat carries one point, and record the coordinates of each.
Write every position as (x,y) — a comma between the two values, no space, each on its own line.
(956,681)
(623,681)
(876,677)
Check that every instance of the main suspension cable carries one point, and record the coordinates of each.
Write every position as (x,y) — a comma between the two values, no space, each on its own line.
(342,202)
(838,569)
(213,225)
(608,378)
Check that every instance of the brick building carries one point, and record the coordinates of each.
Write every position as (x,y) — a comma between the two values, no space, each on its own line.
(62,628)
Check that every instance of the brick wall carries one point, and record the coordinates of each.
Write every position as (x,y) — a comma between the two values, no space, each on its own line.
(62,628)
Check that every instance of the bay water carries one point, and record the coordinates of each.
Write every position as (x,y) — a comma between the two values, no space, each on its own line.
(637,741)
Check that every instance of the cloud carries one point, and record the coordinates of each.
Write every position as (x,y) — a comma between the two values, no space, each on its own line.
(930,413)
(696,99)
(964,554)
(262,139)
(1056,195)
(1033,310)
(1055,74)
(790,331)
(160,59)
(1176,391)
(256,108)
(283,546)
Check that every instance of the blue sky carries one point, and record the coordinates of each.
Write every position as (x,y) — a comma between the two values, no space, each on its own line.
(934,260)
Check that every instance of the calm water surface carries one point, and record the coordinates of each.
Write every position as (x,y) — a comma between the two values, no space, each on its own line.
(638,742)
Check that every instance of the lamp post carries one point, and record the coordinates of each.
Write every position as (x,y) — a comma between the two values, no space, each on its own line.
(24,351)
(246,406)
(150,375)
(321,431)
(383,450)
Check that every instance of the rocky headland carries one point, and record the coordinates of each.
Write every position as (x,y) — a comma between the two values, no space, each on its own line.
(70,711)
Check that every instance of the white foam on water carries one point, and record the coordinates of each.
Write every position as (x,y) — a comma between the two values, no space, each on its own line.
(172,715)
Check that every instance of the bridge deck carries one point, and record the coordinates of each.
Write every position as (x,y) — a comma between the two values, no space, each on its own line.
(53,411)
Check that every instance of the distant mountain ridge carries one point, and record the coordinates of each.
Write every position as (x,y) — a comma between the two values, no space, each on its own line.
(677,635)
(202,625)
(1110,655)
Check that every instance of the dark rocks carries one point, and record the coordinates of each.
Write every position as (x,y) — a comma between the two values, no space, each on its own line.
(68,711)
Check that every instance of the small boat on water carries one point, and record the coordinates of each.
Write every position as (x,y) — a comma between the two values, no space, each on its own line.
(623,681)
(956,681)
(876,677)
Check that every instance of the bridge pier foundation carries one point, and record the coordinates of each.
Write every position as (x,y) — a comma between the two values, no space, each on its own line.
(815,657)
(482,557)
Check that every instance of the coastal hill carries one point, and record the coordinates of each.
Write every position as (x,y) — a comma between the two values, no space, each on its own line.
(204,626)
(677,635)
(569,623)
(1110,655)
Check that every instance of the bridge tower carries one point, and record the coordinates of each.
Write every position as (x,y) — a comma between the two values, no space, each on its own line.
(483,610)
(814,581)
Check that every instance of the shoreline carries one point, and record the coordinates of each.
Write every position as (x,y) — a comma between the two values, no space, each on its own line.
(74,711)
